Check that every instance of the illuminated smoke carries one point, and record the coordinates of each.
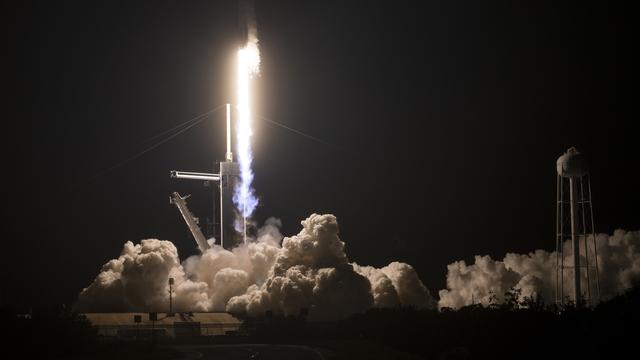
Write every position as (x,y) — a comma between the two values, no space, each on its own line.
(534,274)
(137,280)
(309,271)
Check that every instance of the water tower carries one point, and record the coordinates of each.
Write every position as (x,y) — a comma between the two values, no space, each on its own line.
(577,270)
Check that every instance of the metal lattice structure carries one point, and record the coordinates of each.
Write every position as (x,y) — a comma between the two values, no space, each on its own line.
(575,233)
(226,179)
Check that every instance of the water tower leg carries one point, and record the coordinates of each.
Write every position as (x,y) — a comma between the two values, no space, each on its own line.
(573,194)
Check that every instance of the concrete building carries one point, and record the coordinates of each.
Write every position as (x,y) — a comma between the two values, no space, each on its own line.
(143,325)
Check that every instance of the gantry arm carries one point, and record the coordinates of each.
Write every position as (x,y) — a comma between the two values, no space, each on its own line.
(194,175)
(181,204)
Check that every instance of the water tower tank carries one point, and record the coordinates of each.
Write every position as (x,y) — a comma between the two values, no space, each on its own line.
(572,164)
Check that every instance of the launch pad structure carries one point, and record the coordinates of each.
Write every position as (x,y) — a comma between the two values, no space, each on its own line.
(226,179)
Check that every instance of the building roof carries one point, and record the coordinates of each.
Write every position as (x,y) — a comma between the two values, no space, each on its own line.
(117,319)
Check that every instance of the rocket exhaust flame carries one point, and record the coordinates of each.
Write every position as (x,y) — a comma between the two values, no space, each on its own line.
(248,66)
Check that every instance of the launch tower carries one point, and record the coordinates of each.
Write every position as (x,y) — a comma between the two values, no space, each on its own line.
(226,179)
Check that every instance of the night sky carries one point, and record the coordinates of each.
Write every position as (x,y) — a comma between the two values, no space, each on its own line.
(443,123)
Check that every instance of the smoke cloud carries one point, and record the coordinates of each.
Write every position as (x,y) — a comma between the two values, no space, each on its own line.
(534,274)
(309,271)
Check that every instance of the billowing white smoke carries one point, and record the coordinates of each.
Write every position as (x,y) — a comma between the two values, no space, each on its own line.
(309,271)
(138,280)
(535,273)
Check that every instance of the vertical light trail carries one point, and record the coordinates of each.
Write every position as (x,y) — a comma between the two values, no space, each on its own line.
(229,154)
(248,66)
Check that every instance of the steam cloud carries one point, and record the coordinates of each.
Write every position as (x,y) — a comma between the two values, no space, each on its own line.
(535,273)
(312,271)
(307,271)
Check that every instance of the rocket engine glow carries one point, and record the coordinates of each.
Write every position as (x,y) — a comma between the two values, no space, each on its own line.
(248,67)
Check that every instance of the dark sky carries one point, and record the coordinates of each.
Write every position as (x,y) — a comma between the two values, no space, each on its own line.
(445,121)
